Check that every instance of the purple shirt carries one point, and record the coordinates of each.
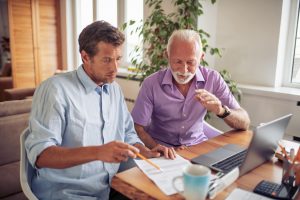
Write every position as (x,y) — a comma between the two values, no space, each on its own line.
(169,117)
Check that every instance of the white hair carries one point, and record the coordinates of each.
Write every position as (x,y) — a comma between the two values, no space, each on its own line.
(185,35)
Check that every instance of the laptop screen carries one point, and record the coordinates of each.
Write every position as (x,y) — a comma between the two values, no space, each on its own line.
(264,143)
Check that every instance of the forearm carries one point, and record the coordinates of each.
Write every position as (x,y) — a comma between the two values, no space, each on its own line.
(144,136)
(238,119)
(61,157)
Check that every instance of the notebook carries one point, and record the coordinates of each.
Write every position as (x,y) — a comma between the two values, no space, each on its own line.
(262,147)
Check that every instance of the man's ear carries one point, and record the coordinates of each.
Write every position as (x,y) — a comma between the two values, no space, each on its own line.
(166,54)
(201,56)
(84,56)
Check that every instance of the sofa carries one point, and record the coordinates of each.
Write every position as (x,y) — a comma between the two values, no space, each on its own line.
(14,116)
(5,83)
(18,93)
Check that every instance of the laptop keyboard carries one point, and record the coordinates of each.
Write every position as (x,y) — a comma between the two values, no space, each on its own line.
(231,162)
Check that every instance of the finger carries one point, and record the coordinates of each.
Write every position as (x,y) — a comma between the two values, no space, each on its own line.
(153,154)
(160,149)
(212,102)
(117,158)
(127,146)
(172,153)
(123,158)
(129,153)
(181,147)
(200,91)
(166,152)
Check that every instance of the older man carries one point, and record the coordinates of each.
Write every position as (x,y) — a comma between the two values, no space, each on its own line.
(172,102)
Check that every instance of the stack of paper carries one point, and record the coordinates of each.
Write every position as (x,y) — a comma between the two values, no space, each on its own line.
(170,169)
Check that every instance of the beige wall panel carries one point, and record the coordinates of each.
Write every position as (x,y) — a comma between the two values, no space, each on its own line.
(49,38)
(20,23)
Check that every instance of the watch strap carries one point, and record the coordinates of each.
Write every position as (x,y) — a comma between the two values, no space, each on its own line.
(226,113)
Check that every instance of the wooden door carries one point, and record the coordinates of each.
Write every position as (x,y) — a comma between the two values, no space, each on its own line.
(49,43)
(35,40)
(21,39)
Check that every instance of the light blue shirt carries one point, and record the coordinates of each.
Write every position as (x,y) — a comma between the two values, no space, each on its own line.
(70,110)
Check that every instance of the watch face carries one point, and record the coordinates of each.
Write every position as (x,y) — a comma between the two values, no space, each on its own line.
(226,113)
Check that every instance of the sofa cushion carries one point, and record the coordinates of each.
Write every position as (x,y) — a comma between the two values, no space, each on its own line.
(10,179)
(11,129)
(15,107)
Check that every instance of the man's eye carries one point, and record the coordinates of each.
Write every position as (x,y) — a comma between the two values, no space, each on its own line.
(191,63)
(106,60)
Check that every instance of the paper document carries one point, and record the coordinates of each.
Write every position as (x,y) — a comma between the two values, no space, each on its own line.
(238,194)
(170,169)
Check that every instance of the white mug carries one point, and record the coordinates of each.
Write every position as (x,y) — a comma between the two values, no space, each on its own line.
(196,179)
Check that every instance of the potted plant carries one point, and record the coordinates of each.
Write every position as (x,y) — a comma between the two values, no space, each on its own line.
(158,27)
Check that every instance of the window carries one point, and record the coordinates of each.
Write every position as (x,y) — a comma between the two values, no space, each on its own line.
(296,61)
(292,55)
(108,11)
(84,17)
(134,11)
(116,12)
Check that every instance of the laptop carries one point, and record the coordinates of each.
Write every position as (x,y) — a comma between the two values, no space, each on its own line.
(262,147)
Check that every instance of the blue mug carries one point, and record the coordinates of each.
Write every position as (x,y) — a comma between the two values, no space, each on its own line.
(196,179)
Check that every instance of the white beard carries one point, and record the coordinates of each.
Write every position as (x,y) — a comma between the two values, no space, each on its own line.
(187,76)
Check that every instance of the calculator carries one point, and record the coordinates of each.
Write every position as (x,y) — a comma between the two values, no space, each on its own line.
(273,190)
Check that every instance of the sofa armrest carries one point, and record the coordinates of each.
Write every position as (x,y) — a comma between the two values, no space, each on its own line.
(5,83)
(17,93)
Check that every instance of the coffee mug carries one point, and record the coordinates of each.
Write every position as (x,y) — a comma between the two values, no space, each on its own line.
(196,179)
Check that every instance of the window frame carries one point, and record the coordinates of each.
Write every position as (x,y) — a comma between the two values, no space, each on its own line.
(294,16)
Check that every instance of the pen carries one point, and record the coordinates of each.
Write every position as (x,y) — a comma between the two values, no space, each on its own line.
(148,161)
(297,157)
(292,155)
(283,151)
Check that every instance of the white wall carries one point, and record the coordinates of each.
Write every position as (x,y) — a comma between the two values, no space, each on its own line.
(248,31)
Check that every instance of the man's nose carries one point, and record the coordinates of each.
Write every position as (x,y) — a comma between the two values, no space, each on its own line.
(185,68)
(114,65)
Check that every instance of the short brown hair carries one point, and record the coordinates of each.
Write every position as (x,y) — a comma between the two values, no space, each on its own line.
(99,31)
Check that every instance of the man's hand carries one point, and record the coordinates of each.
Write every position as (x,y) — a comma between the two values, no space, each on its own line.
(209,101)
(157,151)
(168,152)
(117,151)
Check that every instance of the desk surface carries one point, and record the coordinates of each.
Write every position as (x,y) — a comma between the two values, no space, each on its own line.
(134,184)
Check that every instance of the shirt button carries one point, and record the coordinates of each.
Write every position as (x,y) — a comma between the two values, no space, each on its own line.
(182,127)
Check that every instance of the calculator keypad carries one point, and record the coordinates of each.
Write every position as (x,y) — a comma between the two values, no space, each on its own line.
(268,189)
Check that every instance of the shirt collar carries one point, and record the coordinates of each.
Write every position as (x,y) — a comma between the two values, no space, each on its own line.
(167,79)
(199,75)
(87,82)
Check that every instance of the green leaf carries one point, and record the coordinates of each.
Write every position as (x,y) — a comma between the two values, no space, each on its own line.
(131,22)
(124,26)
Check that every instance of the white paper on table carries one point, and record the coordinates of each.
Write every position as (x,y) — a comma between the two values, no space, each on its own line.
(170,170)
(238,194)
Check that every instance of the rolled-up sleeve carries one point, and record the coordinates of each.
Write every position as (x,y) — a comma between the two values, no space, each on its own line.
(46,121)
(223,92)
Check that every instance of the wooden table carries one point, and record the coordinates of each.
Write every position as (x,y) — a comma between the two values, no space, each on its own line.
(134,184)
